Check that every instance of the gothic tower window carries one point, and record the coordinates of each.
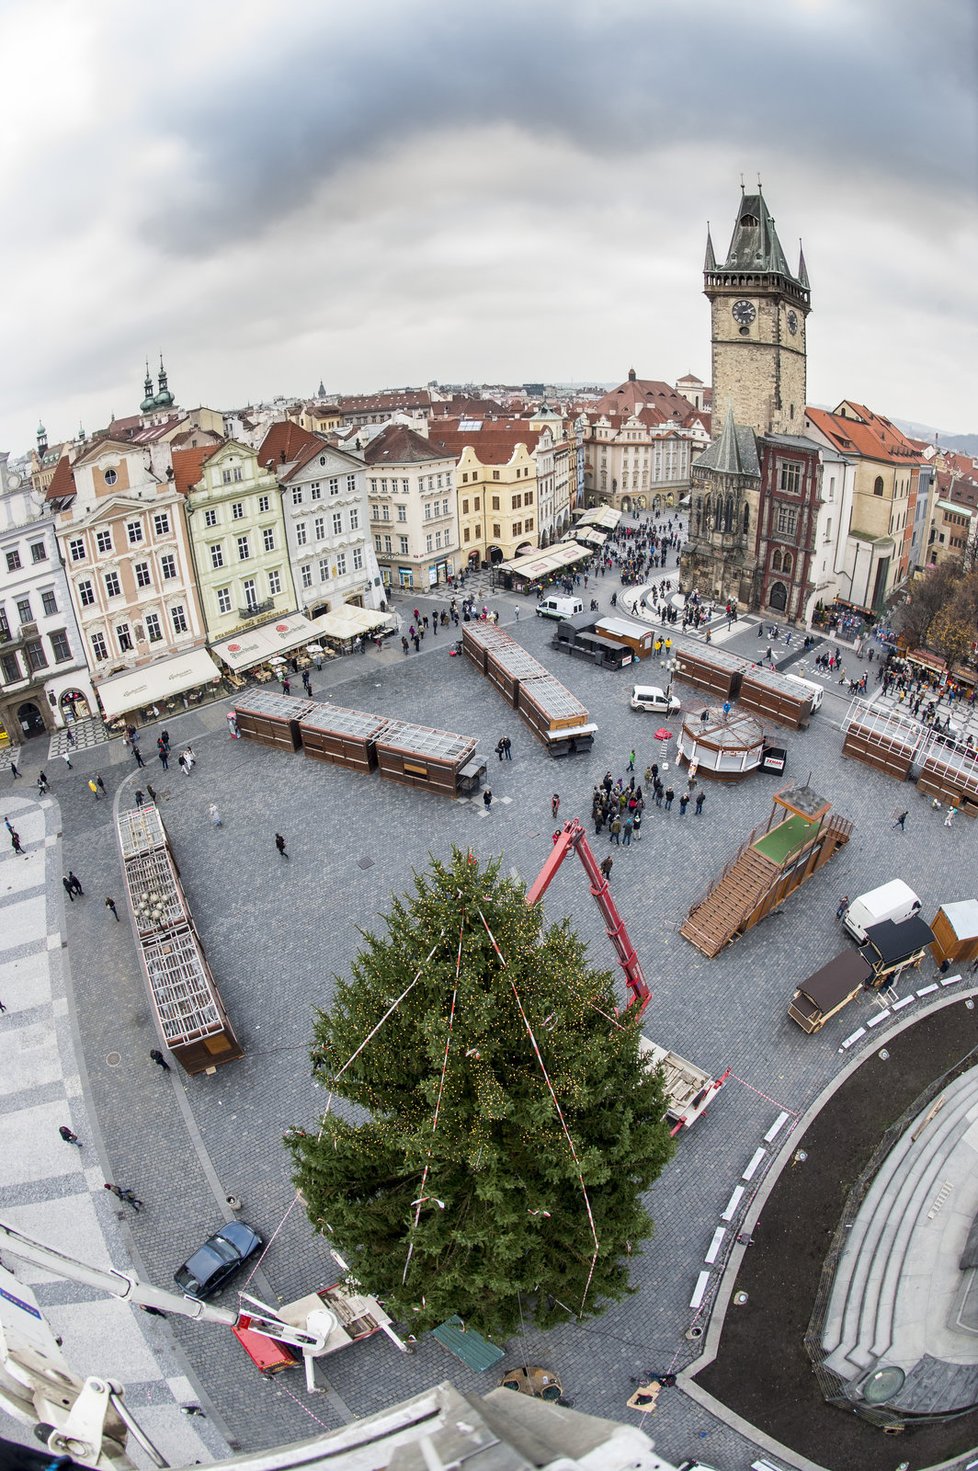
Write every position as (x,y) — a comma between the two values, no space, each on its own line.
(776,562)
(746,519)
(787,564)
(878,485)
(728,515)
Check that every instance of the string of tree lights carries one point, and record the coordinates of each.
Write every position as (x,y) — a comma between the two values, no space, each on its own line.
(503,1129)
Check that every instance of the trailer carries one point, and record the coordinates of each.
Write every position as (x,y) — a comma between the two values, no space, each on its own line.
(689,1089)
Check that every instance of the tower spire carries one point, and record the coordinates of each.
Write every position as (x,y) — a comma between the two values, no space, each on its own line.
(710,263)
(802,268)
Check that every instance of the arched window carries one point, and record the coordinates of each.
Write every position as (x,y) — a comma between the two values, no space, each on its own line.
(698,511)
(746,519)
(728,515)
(778,597)
(787,564)
(878,485)
(776,562)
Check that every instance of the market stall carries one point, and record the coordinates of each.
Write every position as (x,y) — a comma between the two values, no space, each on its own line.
(273,719)
(344,737)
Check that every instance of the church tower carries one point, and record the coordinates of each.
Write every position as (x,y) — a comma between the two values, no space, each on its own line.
(758,311)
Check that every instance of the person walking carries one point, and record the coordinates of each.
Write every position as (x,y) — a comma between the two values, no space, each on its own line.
(606,866)
(307,683)
(700,800)
(280,845)
(139,796)
(631,761)
(683,804)
(842,906)
(614,831)
(110,904)
(286,685)
(670,797)
(139,757)
(901,821)
(42,784)
(950,816)
(69,1136)
(66,758)
(126,1195)
(151,794)
(637,826)
(214,815)
(75,883)
(13,770)
(157,1057)
(487,799)
(70,736)
(555,804)
(626,831)
(508,748)
(68,889)
(15,844)
(100,784)
(164,757)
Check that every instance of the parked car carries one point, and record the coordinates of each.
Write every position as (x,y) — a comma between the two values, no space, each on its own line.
(651,697)
(213,1265)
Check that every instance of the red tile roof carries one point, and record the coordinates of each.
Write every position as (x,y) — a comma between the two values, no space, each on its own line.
(494,445)
(642,393)
(284,442)
(62,487)
(188,465)
(859,431)
(396,444)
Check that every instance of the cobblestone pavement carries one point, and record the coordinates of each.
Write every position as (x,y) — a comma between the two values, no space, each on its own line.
(276,933)
(87,733)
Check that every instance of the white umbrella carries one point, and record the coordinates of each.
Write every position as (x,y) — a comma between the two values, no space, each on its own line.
(276,659)
(314,648)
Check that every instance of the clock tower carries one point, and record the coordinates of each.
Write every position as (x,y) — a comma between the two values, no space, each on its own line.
(758,315)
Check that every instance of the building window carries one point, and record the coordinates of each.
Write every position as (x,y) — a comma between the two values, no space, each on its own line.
(300,533)
(251,594)
(528,498)
(465,534)
(358,559)
(99,648)
(297,495)
(39,552)
(224,600)
(179,618)
(244,550)
(161,523)
(429,542)
(495,503)
(785,520)
(517,503)
(402,512)
(497,530)
(528,523)
(268,538)
(168,566)
(86,594)
(36,657)
(237,511)
(878,485)
(427,511)
(76,549)
(305,572)
(377,544)
(790,478)
(404,546)
(274,584)
(49,603)
(110,477)
(210,518)
(517,528)
(217,555)
(385,513)
(113,587)
(354,519)
(124,635)
(134,531)
(341,564)
(465,508)
(444,508)
(264,503)
(319,528)
(10,668)
(142,574)
(103,540)
(315,491)
(153,630)
(387,544)
(334,485)
(60,647)
(351,483)
(495,474)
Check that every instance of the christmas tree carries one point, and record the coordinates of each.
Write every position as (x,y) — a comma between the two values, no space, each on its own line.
(501,1127)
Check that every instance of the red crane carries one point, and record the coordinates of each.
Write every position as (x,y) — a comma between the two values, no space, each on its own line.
(574,839)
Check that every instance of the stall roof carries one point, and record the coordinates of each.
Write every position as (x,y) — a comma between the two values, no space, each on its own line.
(590,536)
(140,830)
(828,985)
(347,621)
(962,916)
(733,732)
(893,942)
(181,986)
(139,687)
(338,720)
(420,740)
(273,705)
(255,645)
(604,516)
(542,564)
(553,698)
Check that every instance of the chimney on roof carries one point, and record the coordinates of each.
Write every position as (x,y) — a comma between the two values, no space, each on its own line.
(281,456)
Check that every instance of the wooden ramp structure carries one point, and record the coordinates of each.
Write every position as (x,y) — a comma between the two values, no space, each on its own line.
(768,867)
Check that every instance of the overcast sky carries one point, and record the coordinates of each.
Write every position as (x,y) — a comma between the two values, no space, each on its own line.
(403,190)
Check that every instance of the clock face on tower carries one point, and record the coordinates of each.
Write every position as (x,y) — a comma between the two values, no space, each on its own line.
(744,313)
(792,320)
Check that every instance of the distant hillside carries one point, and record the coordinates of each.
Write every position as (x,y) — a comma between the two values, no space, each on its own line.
(961,444)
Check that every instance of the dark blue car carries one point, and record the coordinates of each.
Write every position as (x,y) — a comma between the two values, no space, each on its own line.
(215,1263)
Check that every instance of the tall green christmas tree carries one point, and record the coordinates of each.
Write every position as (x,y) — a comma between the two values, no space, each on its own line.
(503,1128)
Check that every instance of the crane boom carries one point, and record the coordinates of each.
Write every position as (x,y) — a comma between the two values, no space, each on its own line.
(573,838)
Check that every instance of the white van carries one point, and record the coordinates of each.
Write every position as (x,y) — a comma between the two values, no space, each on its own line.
(559,607)
(810,687)
(895,900)
(651,697)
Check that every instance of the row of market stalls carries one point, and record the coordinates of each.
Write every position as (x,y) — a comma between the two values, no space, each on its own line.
(199,675)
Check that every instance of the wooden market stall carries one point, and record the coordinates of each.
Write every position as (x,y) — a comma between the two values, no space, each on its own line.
(780,699)
(271,718)
(431,760)
(638,636)
(955,929)
(555,716)
(711,669)
(185,998)
(725,745)
(479,638)
(950,773)
(882,739)
(345,737)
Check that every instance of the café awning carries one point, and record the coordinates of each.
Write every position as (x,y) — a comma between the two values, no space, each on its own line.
(138,688)
(255,645)
(348,621)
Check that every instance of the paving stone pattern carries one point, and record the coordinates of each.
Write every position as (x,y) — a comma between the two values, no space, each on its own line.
(277,932)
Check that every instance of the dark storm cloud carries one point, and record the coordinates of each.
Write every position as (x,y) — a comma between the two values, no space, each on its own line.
(880,91)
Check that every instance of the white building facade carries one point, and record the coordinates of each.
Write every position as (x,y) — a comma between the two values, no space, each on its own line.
(327,519)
